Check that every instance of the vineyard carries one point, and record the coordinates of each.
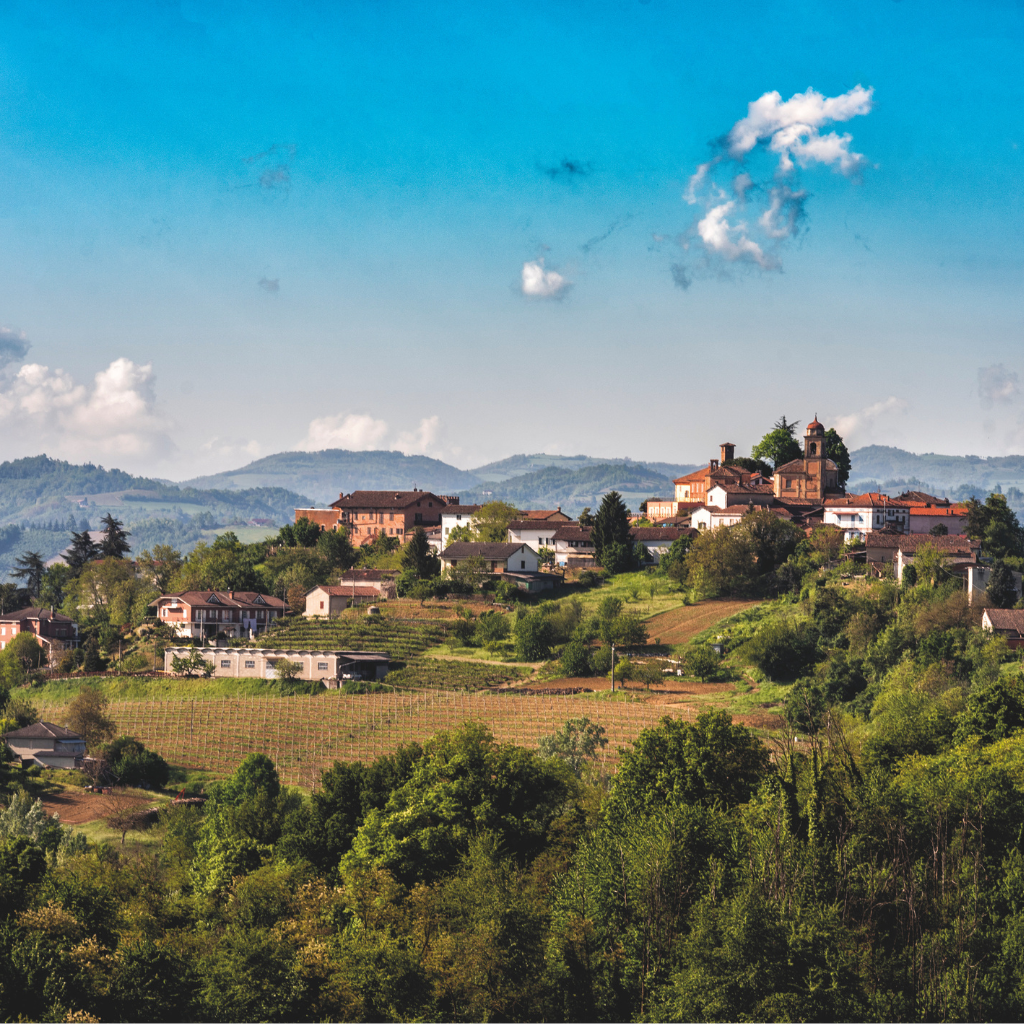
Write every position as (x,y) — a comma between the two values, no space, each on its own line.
(400,639)
(303,735)
(454,675)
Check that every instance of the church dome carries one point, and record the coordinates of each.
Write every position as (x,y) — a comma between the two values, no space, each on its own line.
(814,427)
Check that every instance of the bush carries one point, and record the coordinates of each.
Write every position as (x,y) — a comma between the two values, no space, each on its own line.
(781,650)
(601,661)
(533,637)
(576,659)
(702,662)
(132,764)
(492,627)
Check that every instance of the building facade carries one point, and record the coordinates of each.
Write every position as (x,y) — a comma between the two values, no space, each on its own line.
(206,613)
(496,557)
(813,477)
(47,745)
(54,631)
(367,514)
(261,662)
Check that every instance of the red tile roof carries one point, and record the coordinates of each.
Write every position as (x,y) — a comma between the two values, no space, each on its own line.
(1006,618)
(43,614)
(387,499)
(870,499)
(480,549)
(43,731)
(242,599)
(349,591)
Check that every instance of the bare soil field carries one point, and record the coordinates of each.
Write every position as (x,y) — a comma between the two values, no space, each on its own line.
(76,806)
(682,624)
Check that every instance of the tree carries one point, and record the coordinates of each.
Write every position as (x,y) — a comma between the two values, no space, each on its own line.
(115,538)
(576,743)
(939,530)
(532,637)
(418,556)
(192,664)
(124,815)
(772,540)
(1001,589)
(56,581)
(8,597)
(30,568)
(490,521)
(827,541)
(996,525)
(132,764)
(576,658)
(160,566)
(335,546)
(82,551)
(611,526)
(720,561)
(257,774)
(778,446)
(86,715)
(585,518)
(305,532)
(750,465)
(286,670)
(702,662)
(836,450)
(92,661)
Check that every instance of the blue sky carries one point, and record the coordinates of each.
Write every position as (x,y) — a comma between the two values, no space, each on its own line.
(235,229)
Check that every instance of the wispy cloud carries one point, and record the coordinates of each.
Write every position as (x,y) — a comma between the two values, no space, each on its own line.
(790,131)
(871,423)
(997,385)
(538,283)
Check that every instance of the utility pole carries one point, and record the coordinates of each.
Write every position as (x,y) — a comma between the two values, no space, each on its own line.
(613,668)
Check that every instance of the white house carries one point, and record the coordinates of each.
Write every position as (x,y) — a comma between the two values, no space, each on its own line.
(456,515)
(723,495)
(536,533)
(656,540)
(710,517)
(510,557)
(857,515)
(325,602)
(261,662)
(48,745)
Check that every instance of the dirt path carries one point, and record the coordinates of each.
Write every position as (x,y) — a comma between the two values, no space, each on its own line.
(682,624)
(76,807)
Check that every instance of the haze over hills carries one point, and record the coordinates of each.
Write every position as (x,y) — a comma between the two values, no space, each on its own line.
(518,465)
(878,463)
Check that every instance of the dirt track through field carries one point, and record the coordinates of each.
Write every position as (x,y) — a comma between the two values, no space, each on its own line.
(680,625)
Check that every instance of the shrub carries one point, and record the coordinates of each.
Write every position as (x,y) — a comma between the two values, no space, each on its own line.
(492,627)
(702,662)
(132,764)
(576,659)
(601,661)
(532,636)
(781,650)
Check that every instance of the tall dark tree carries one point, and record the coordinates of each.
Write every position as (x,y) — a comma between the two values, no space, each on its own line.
(115,538)
(30,568)
(418,557)
(836,450)
(611,525)
(1001,589)
(82,551)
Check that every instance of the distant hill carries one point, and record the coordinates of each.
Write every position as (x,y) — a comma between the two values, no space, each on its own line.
(520,465)
(324,475)
(42,500)
(575,489)
(956,475)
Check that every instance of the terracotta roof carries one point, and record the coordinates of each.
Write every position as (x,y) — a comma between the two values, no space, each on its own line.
(368,574)
(956,511)
(797,465)
(544,513)
(388,499)
(1006,618)
(43,731)
(922,496)
(814,424)
(912,541)
(729,510)
(34,613)
(480,549)
(573,531)
(652,533)
(463,508)
(349,591)
(241,599)
(871,499)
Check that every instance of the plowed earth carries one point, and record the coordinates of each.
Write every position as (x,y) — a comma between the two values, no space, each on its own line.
(682,624)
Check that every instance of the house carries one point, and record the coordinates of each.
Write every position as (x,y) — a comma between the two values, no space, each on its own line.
(1005,622)
(661,508)
(538,533)
(928,512)
(657,540)
(722,495)
(812,477)
(329,601)
(857,515)
(365,514)
(695,486)
(711,517)
(48,745)
(54,631)
(498,557)
(456,515)
(573,546)
(261,662)
(205,613)
(548,515)
(898,550)
(978,577)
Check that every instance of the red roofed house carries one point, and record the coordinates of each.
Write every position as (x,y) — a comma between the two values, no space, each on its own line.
(1005,622)
(327,601)
(53,630)
(927,512)
(857,515)
(814,477)
(365,514)
(48,745)
(205,613)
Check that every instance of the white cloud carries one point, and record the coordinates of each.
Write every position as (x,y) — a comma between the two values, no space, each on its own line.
(792,128)
(45,410)
(868,425)
(539,283)
(355,431)
(997,385)
(423,439)
(791,131)
(730,241)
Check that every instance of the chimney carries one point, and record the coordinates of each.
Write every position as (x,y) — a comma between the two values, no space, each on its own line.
(728,451)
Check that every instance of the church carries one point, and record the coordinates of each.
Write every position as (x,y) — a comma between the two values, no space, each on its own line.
(812,478)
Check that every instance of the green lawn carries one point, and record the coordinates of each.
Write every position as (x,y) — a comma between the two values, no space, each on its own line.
(668,594)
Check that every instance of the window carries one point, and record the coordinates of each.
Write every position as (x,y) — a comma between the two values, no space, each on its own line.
(225,663)
(321,604)
(391,517)
(250,664)
(522,564)
(321,666)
